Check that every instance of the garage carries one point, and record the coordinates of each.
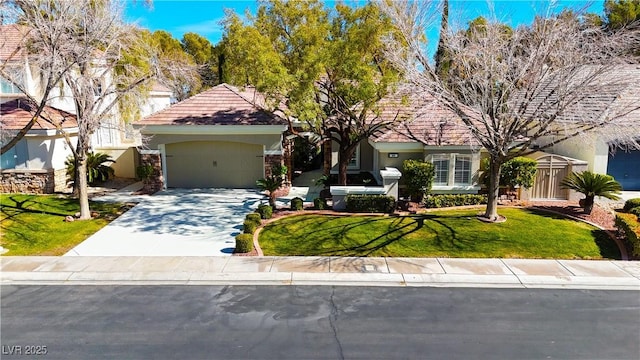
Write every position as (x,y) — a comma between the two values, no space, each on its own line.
(624,166)
(215,164)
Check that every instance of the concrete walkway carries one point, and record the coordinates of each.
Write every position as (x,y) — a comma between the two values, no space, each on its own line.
(238,270)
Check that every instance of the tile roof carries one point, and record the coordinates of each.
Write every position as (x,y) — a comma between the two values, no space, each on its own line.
(221,105)
(16,114)
(11,36)
(429,124)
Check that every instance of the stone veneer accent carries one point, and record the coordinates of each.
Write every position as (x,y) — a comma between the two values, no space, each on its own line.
(28,181)
(156,182)
(269,160)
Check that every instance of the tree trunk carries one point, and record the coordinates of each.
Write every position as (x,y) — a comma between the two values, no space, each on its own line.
(326,157)
(83,191)
(494,189)
(589,201)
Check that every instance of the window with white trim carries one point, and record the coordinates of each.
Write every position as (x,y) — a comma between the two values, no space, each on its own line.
(441,167)
(462,171)
(354,162)
(7,87)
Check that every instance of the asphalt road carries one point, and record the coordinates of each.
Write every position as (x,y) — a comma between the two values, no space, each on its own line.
(317,322)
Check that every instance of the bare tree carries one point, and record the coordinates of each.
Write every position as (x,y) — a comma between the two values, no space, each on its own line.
(524,89)
(85,50)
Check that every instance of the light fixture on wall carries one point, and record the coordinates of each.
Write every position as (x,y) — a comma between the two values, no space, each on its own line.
(393,155)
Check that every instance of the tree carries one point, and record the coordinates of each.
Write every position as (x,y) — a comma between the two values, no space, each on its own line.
(621,13)
(206,56)
(87,48)
(328,70)
(533,86)
(592,185)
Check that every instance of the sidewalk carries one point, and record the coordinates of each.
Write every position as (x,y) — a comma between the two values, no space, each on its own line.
(238,270)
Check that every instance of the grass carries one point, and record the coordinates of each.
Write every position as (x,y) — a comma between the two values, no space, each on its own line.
(527,233)
(33,224)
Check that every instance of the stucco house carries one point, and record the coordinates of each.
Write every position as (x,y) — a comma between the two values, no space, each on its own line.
(39,157)
(218,138)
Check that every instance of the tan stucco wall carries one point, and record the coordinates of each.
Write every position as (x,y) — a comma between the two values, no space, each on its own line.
(271,142)
(366,157)
(592,150)
(125,161)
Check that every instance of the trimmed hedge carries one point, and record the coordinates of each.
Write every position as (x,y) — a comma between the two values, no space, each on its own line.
(631,203)
(635,211)
(629,225)
(320,204)
(370,203)
(244,243)
(297,204)
(265,211)
(249,227)
(439,201)
(255,217)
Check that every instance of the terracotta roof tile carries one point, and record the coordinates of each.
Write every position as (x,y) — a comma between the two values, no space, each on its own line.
(220,105)
(16,114)
(11,36)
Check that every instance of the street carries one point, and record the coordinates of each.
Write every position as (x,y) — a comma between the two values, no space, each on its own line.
(316,322)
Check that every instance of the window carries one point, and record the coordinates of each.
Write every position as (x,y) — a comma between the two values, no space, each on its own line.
(8,159)
(441,167)
(462,174)
(354,162)
(7,87)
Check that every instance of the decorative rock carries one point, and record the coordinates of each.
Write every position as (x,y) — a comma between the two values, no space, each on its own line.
(69,218)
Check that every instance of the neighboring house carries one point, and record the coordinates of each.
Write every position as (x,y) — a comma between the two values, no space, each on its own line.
(114,137)
(602,156)
(36,163)
(218,138)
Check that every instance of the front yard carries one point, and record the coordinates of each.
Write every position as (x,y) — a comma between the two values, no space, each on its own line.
(34,224)
(527,233)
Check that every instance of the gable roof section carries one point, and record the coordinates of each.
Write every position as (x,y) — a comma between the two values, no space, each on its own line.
(221,105)
(16,114)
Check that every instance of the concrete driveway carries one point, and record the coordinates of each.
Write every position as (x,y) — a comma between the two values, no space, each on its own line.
(175,222)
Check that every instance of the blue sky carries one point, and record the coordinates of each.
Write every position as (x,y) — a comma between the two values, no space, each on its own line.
(203,16)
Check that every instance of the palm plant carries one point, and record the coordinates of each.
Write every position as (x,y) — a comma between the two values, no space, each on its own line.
(97,170)
(270,184)
(592,185)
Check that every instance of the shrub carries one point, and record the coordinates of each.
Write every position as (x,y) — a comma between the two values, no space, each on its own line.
(635,211)
(370,203)
(439,201)
(320,204)
(144,172)
(249,227)
(631,203)
(265,211)
(592,185)
(519,171)
(244,243)
(628,224)
(97,170)
(255,217)
(270,184)
(297,204)
(418,177)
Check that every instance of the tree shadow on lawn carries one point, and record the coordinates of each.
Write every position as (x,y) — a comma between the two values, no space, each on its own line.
(607,246)
(396,231)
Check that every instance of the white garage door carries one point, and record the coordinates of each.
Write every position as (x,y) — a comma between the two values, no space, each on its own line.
(200,164)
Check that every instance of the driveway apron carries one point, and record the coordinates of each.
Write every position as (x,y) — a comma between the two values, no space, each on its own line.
(175,222)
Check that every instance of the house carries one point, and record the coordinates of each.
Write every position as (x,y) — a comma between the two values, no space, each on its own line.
(43,150)
(218,138)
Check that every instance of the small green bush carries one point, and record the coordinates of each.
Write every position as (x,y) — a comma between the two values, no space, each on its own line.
(244,243)
(320,204)
(635,211)
(628,224)
(631,203)
(439,201)
(297,204)
(255,217)
(265,211)
(370,203)
(249,227)
(418,177)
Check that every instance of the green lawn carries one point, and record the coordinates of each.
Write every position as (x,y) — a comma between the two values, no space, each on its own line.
(33,224)
(526,234)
